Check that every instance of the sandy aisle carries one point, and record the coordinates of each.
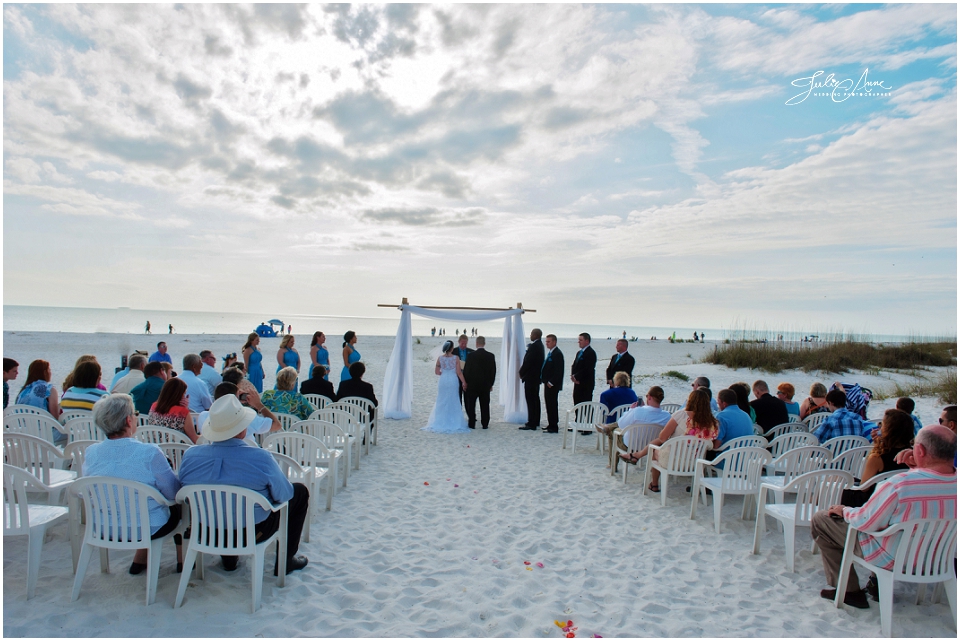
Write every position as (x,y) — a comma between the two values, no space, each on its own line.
(396,557)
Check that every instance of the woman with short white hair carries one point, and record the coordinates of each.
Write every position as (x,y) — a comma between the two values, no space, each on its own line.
(285,398)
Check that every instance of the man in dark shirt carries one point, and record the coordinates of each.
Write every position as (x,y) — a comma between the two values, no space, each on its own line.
(770,410)
(551,375)
(530,375)
(146,393)
(354,386)
(317,385)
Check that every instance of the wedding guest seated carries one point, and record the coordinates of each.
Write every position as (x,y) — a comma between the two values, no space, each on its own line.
(208,372)
(228,460)
(733,421)
(37,391)
(704,382)
(907,405)
(236,376)
(134,376)
(285,399)
(123,456)
(948,418)
(841,422)
(354,386)
(317,384)
(146,393)
(785,392)
(198,392)
(742,390)
(68,381)
(172,409)
(695,419)
(619,394)
(894,436)
(85,389)
(816,403)
(266,421)
(642,414)
(10,372)
(928,490)
(770,411)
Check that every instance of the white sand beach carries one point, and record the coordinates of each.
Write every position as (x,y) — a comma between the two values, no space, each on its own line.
(431,536)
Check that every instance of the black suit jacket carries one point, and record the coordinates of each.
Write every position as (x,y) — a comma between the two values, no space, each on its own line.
(318,386)
(770,410)
(532,362)
(354,387)
(480,371)
(625,364)
(584,368)
(553,369)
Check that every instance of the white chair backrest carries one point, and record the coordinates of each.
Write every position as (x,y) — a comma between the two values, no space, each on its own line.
(174,453)
(158,434)
(783,428)
(363,403)
(793,418)
(67,415)
(286,420)
(319,401)
(670,407)
(40,425)
(813,421)
(77,452)
(359,414)
(326,432)
(143,419)
(841,444)
(290,468)
(222,518)
(307,450)
(757,429)
(16,513)
(927,548)
(11,410)
(32,454)
(619,411)
(638,436)
(817,490)
(876,479)
(583,416)
(117,513)
(791,440)
(801,460)
(742,468)
(852,460)
(83,429)
(341,418)
(683,454)
(744,441)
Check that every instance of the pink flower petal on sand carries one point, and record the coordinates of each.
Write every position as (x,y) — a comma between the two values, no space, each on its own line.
(476,491)
(495,561)
(455,485)
(448,479)
(539,565)
(526,562)
(425,483)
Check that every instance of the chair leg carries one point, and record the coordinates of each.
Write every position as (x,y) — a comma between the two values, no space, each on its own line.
(85,553)
(34,547)
(153,569)
(950,587)
(921,591)
(188,560)
(346,467)
(760,527)
(885,585)
(664,486)
(104,561)
(257,577)
(311,501)
(331,483)
(717,508)
(789,534)
(842,579)
(646,479)
(694,499)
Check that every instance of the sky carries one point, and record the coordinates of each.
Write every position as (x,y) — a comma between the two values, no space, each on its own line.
(636,165)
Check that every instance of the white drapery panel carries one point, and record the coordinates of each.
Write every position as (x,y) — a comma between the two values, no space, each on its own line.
(398,380)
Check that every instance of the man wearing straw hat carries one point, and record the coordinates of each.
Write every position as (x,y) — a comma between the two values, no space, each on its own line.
(228,460)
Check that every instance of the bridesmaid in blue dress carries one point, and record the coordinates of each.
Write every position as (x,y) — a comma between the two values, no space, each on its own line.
(319,355)
(350,354)
(252,359)
(287,356)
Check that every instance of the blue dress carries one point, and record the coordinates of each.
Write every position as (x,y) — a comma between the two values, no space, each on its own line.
(255,373)
(353,358)
(290,359)
(323,358)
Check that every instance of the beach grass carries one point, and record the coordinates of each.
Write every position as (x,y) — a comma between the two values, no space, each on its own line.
(675,374)
(837,357)
(944,388)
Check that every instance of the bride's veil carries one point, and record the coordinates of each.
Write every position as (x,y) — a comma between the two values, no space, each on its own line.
(439,350)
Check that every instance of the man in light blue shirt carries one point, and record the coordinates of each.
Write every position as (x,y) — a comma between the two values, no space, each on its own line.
(734,422)
(161,356)
(643,414)
(197,389)
(209,373)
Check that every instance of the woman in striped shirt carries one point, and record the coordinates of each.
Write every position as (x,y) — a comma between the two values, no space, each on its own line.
(84,391)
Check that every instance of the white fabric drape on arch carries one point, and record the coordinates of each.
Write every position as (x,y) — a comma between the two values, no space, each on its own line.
(398,381)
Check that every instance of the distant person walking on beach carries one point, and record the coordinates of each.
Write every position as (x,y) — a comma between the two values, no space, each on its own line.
(10,371)
(170,328)
(530,375)
(583,372)
(160,356)
(252,359)
(146,330)
(621,362)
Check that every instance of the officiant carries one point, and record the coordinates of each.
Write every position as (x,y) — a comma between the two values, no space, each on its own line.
(462,352)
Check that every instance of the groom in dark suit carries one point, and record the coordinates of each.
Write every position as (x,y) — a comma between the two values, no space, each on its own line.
(583,372)
(480,372)
(530,375)
(622,361)
(552,377)
(461,352)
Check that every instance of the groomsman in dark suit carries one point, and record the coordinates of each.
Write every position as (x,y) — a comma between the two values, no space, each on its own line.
(583,372)
(530,375)
(480,372)
(620,362)
(552,377)
(461,352)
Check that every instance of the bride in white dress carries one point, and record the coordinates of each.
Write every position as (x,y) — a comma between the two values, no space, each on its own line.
(447,416)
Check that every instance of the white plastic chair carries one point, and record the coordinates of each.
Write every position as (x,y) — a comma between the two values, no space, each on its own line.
(814,420)
(925,553)
(67,415)
(41,459)
(789,441)
(783,428)
(852,460)
(635,438)
(118,518)
(14,409)
(312,455)
(793,418)
(670,407)
(143,420)
(584,416)
(157,435)
(684,453)
(83,429)
(360,418)
(815,491)
(840,444)
(174,453)
(286,420)
(876,479)
(744,441)
(618,411)
(20,518)
(77,453)
(221,522)
(370,417)
(319,401)
(740,475)
(337,443)
(792,464)
(40,425)
(349,425)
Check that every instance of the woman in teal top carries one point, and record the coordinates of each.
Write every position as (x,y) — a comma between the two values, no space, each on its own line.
(252,359)
(350,354)
(319,355)
(287,356)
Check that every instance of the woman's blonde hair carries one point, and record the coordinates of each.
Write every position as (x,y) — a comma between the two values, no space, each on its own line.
(621,379)
(285,341)
(818,390)
(287,379)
